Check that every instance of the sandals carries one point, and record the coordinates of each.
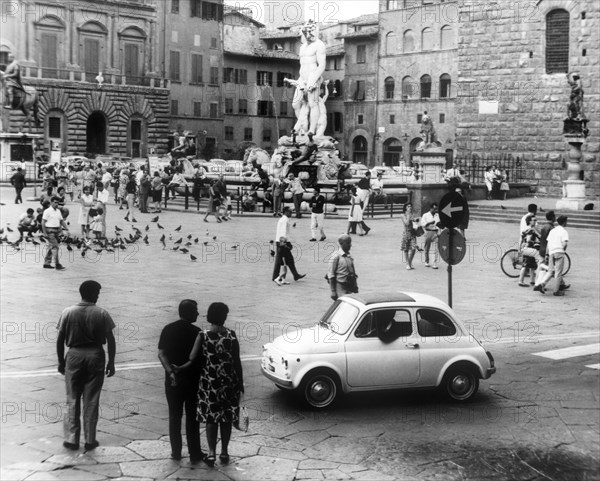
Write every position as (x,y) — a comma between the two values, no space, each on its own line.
(210,460)
(224,458)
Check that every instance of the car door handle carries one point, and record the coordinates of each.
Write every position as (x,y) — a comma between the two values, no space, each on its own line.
(412,345)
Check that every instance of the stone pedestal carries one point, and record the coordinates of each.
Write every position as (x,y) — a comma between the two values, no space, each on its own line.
(429,165)
(573,188)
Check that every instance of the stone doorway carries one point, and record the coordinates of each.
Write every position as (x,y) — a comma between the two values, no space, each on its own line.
(96,133)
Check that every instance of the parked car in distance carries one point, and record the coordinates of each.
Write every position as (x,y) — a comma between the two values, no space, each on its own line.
(368,342)
(358,171)
(387,172)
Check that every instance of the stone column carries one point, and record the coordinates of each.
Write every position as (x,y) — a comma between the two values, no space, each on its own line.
(573,188)
(574,132)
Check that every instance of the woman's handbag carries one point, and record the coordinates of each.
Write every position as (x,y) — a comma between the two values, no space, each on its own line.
(243,421)
(418,228)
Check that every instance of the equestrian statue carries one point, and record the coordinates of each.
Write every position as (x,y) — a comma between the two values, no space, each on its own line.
(18,96)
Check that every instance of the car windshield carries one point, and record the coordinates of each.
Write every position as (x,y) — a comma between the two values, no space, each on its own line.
(339,317)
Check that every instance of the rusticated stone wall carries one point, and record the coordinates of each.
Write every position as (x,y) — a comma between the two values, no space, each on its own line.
(501,57)
(118,103)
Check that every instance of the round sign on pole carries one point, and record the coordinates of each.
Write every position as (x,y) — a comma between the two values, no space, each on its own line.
(453,252)
(453,208)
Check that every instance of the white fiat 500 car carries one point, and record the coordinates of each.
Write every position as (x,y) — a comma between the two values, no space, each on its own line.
(378,341)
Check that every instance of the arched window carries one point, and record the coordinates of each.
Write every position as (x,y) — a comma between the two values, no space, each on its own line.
(447,39)
(408,87)
(408,41)
(425,86)
(360,149)
(389,88)
(427,39)
(390,44)
(132,41)
(92,54)
(445,83)
(557,41)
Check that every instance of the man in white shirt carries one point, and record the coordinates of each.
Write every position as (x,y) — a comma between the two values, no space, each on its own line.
(52,221)
(558,240)
(283,249)
(430,221)
(531,209)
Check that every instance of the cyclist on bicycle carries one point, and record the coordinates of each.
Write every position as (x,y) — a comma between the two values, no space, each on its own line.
(530,245)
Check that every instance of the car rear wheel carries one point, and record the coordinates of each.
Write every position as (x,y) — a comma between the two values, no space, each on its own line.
(319,389)
(460,383)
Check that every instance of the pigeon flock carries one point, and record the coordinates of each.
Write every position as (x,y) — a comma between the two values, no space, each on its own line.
(185,245)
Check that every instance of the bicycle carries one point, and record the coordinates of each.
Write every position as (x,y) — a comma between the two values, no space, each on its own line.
(511,263)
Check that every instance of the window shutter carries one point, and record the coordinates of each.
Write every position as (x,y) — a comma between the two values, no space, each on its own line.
(131,60)
(91,55)
(557,41)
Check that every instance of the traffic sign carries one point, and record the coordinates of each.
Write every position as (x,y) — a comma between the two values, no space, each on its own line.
(452,250)
(453,208)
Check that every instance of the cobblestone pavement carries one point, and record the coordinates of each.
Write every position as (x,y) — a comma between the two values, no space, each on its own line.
(536,418)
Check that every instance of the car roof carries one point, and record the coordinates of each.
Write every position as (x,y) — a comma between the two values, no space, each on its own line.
(396,296)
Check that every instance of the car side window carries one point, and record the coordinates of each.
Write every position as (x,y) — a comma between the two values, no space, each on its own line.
(432,323)
(386,324)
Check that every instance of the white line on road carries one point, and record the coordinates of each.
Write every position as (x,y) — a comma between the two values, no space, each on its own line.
(568,352)
(532,338)
(118,367)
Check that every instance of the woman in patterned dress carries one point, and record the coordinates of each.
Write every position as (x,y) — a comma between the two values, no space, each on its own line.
(409,239)
(221,380)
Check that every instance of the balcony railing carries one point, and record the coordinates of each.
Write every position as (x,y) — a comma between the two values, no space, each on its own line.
(90,77)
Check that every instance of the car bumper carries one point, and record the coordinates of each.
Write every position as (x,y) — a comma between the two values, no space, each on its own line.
(277,380)
(489,372)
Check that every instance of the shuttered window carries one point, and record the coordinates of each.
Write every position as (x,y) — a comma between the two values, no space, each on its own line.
(49,55)
(91,54)
(557,41)
(174,66)
(196,69)
(132,55)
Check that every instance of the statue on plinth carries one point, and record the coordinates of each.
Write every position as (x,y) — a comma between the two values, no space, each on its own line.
(576,122)
(308,86)
(427,129)
(575,107)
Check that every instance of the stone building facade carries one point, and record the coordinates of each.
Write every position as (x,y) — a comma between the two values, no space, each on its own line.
(513,93)
(95,66)
(191,40)
(257,105)
(360,94)
(417,73)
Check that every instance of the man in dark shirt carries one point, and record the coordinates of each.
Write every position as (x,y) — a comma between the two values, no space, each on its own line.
(545,230)
(84,328)
(18,182)
(317,216)
(174,348)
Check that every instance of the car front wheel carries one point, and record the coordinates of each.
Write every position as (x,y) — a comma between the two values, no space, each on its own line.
(319,388)
(460,383)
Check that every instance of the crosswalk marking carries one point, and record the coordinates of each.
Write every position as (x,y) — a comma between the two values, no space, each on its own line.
(118,367)
(593,366)
(567,352)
